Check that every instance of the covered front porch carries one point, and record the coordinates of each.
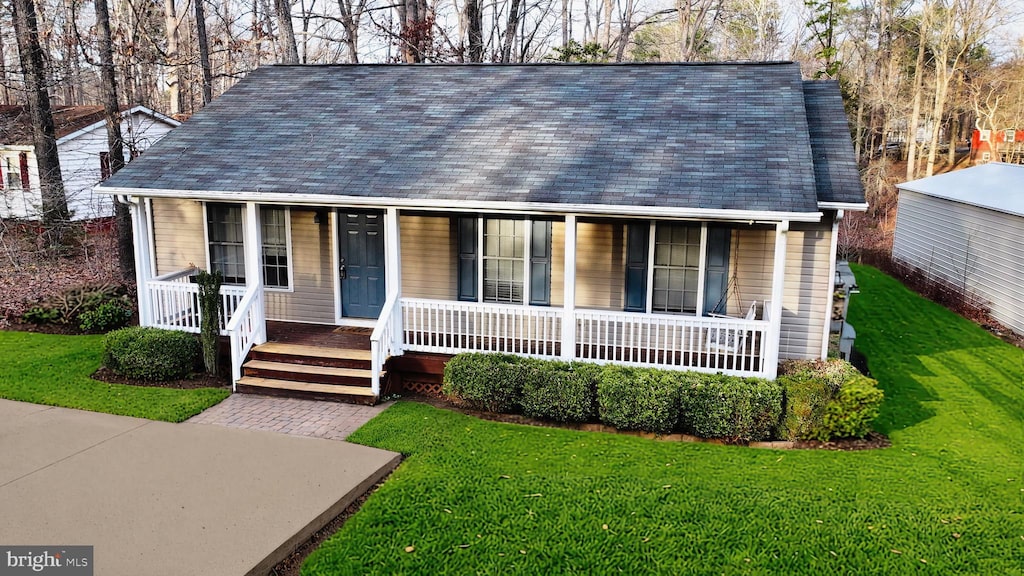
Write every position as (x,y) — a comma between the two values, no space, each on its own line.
(568,286)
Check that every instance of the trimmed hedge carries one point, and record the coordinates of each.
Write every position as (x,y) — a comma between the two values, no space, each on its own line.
(150,353)
(638,398)
(486,381)
(812,400)
(717,406)
(816,388)
(561,391)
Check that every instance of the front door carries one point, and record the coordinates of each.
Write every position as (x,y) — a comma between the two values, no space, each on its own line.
(361,249)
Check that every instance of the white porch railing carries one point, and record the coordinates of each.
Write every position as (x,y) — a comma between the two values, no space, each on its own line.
(245,328)
(382,341)
(450,327)
(174,302)
(727,345)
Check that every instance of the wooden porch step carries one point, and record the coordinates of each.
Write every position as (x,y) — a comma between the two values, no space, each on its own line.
(312,355)
(290,388)
(308,373)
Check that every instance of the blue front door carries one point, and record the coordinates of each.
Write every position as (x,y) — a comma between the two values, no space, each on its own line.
(361,239)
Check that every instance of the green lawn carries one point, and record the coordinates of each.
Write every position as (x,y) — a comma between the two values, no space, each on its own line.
(54,370)
(477,497)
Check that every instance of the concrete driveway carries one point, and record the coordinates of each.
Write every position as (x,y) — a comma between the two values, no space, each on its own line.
(159,498)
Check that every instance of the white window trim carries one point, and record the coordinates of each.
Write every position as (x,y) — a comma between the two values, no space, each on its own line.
(699,312)
(288,250)
(527,241)
(206,238)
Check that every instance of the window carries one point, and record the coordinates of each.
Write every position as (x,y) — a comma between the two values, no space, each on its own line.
(11,171)
(227,252)
(676,268)
(504,260)
(509,252)
(986,156)
(274,225)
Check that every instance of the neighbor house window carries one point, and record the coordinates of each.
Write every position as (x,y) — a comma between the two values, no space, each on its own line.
(274,225)
(676,268)
(104,165)
(11,172)
(504,260)
(227,249)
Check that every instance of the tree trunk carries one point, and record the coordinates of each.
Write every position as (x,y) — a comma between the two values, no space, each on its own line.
(175,104)
(510,31)
(204,51)
(285,32)
(55,204)
(474,31)
(115,142)
(915,113)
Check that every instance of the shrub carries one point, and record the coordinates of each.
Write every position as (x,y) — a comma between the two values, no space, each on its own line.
(811,387)
(850,414)
(717,406)
(108,316)
(487,381)
(68,307)
(638,398)
(561,391)
(40,315)
(150,353)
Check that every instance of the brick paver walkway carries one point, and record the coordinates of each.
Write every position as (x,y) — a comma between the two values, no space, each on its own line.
(331,420)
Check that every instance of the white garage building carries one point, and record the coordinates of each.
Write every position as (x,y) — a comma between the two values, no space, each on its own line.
(967,228)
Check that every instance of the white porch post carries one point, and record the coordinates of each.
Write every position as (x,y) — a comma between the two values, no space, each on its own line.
(569,290)
(254,263)
(833,248)
(778,283)
(393,272)
(143,263)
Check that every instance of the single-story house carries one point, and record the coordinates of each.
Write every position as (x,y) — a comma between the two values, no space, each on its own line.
(602,213)
(82,146)
(966,229)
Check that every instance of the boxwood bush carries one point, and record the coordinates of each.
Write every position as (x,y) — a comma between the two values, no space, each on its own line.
(561,391)
(150,353)
(813,388)
(850,414)
(717,406)
(487,381)
(638,398)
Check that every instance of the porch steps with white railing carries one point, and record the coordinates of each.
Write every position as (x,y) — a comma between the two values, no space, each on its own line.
(308,372)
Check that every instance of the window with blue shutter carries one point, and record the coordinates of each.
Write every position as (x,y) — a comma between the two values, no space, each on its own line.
(540,263)
(637,239)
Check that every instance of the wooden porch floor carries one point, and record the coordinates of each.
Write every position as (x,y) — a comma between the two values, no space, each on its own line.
(350,338)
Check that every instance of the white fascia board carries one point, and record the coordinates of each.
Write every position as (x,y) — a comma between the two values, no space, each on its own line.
(852,206)
(102,123)
(467,206)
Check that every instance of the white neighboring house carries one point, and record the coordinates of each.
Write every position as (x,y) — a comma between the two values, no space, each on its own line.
(82,146)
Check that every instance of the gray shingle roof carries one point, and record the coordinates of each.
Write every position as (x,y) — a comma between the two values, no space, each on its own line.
(835,165)
(721,136)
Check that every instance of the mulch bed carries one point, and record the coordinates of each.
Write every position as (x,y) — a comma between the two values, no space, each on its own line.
(198,380)
(871,442)
(62,329)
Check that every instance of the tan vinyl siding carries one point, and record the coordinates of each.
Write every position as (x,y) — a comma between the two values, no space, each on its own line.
(558,262)
(806,290)
(178,235)
(751,258)
(312,296)
(600,268)
(968,246)
(429,261)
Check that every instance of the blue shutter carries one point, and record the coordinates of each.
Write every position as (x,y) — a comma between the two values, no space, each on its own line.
(637,239)
(467,237)
(540,263)
(716,274)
